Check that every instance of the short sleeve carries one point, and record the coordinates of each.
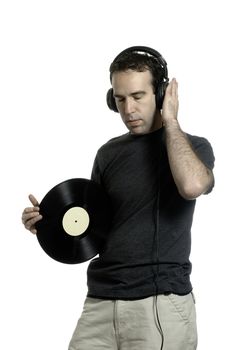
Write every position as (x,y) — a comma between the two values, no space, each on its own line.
(96,174)
(204,151)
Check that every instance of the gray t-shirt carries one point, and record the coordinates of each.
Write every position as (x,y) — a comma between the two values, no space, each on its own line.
(147,249)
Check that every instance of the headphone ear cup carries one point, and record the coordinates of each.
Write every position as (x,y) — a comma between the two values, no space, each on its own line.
(160,94)
(110,100)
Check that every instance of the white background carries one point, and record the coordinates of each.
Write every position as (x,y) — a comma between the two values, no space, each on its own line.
(54,63)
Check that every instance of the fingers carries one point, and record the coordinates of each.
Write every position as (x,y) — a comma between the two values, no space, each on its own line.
(170,103)
(30,224)
(172,91)
(26,216)
(30,219)
(172,88)
(31,215)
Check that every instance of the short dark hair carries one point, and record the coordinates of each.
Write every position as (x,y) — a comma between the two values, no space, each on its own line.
(138,62)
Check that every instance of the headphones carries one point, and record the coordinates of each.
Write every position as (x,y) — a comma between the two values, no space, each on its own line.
(160,88)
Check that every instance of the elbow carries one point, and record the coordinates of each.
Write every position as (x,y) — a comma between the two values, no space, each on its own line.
(193,190)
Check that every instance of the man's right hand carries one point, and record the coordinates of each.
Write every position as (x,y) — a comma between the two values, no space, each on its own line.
(31,215)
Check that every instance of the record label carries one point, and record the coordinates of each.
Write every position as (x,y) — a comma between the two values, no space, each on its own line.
(75,221)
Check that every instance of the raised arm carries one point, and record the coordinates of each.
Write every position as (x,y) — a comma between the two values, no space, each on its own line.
(190,174)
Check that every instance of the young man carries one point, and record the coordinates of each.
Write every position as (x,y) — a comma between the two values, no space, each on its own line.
(139,290)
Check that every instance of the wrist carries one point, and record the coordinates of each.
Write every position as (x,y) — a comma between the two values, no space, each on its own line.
(171,124)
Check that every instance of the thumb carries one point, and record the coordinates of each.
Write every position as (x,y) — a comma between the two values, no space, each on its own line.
(33,200)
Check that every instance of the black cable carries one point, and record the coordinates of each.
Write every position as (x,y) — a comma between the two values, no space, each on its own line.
(156,238)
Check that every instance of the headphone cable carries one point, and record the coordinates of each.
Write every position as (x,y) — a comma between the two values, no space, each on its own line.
(156,241)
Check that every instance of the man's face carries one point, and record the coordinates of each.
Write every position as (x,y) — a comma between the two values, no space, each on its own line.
(135,100)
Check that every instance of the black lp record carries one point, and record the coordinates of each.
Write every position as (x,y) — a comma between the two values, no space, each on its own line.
(76,219)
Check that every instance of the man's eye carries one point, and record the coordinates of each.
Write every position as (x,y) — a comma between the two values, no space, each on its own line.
(138,96)
(120,99)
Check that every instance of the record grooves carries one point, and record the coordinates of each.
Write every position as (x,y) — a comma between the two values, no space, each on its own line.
(76,219)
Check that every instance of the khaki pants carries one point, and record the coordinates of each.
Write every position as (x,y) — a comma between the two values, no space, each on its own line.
(143,324)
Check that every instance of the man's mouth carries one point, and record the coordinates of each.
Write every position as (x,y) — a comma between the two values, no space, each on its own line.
(133,123)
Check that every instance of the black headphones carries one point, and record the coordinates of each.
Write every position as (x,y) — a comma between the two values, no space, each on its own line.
(161,86)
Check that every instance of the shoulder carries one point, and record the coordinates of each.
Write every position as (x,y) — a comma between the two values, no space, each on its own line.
(114,142)
(198,140)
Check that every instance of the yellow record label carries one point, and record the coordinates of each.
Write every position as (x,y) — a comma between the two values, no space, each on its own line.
(75,221)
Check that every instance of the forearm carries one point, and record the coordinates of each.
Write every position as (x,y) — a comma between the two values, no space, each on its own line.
(191,176)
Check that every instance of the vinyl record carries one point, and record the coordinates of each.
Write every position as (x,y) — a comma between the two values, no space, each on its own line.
(76,219)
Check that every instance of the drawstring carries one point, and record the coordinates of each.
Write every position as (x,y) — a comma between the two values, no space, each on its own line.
(115,323)
(157,321)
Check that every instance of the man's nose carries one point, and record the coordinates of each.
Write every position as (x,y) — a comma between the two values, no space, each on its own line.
(129,106)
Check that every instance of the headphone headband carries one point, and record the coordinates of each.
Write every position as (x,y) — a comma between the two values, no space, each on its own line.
(146,50)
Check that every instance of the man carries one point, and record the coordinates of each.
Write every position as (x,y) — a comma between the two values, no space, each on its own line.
(139,290)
